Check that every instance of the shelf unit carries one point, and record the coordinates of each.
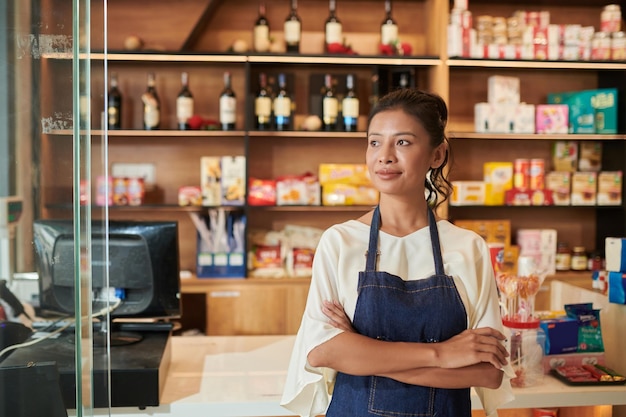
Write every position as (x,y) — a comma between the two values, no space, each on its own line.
(176,154)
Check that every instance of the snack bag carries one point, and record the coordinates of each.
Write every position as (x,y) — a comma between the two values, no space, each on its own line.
(589,329)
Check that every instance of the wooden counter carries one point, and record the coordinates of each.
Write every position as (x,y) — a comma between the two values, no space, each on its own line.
(232,376)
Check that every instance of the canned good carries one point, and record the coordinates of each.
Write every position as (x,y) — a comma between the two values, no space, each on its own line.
(611,18)
(537,174)
(618,46)
(521,173)
(601,46)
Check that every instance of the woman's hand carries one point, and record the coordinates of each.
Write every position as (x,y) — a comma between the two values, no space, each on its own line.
(473,346)
(337,316)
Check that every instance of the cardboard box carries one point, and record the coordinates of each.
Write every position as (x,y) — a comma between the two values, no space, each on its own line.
(615,250)
(617,287)
(591,111)
(572,359)
(493,231)
(584,188)
(356,174)
(503,90)
(590,156)
(233,184)
(211,180)
(565,156)
(541,245)
(551,118)
(561,335)
(609,188)
(498,177)
(349,195)
(560,183)
(468,193)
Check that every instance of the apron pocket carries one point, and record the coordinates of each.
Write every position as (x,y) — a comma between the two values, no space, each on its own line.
(390,398)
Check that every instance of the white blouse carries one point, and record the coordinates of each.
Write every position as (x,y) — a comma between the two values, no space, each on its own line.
(340,256)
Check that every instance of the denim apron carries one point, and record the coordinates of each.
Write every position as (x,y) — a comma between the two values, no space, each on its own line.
(390,308)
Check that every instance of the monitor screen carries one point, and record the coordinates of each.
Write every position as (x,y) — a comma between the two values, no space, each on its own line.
(143,267)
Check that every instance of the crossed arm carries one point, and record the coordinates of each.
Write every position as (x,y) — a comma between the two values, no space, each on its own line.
(472,358)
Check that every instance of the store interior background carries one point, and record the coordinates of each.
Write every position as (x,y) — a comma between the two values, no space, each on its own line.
(35,26)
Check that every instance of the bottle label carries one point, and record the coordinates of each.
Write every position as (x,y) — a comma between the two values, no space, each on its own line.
(151,116)
(263,108)
(350,107)
(333,32)
(292,31)
(184,108)
(227,109)
(113,116)
(282,106)
(331,109)
(388,34)
(261,38)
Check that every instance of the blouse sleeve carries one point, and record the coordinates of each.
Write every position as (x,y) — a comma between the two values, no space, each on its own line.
(307,389)
(487,313)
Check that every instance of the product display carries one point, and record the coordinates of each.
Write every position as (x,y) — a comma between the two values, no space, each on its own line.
(389,27)
(261,31)
(184,103)
(330,105)
(151,105)
(333,31)
(262,105)
(281,105)
(228,105)
(114,105)
(350,106)
(293,29)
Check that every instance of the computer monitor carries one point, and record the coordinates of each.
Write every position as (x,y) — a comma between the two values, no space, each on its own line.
(143,268)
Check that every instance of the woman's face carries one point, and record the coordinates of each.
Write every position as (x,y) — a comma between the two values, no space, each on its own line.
(399,153)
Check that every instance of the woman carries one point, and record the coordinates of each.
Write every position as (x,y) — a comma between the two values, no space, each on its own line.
(402,316)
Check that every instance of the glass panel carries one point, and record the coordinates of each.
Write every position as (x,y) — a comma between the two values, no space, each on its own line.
(46,244)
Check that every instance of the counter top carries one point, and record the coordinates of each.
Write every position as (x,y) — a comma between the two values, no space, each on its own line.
(234,376)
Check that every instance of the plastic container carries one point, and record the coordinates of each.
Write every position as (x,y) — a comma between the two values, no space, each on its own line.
(525,344)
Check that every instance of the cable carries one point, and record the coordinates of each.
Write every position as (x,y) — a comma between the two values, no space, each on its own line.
(71,321)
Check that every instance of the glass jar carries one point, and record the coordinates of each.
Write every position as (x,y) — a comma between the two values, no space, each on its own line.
(579,259)
(563,260)
(525,344)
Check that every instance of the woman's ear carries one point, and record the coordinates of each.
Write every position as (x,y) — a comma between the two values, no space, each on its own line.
(439,155)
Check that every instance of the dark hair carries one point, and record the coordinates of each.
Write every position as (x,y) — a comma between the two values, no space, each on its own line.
(431,111)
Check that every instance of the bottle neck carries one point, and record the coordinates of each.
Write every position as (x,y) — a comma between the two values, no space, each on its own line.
(227,80)
(184,79)
(332,8)
(151,80)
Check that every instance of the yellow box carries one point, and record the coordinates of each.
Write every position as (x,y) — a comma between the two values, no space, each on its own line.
(468,193)
(355,174)
(498,177)
(349,195)
(493,231)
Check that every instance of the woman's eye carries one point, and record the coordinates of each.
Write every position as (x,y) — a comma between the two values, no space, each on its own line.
(373,143)
(403,142)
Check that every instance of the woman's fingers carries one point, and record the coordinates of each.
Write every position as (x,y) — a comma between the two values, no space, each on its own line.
(336,315)
(473,346)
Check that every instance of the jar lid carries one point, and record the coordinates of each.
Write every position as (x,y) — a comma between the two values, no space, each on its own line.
(530,324)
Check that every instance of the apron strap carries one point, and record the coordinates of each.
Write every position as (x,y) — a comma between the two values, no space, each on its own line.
(372,250)
(434,239)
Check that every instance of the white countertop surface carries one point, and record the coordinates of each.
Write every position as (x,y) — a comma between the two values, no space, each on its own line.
(235,376)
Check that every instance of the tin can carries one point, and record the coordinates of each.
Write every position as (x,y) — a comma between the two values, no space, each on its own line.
(618,46)
(611,18)
(135,191)
(537,174)
(521,173)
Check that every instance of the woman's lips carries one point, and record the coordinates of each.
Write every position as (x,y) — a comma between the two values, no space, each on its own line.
(387,173)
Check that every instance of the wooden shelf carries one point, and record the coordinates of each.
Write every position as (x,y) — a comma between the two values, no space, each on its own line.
(533,136)
(161,133)
(560,65)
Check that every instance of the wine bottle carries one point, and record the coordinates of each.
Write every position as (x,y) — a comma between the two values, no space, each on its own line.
(333,28)
(151,105)
(114,105)
(330,105)
(261,33)
(184,103)
(350,106)
(263,105)
(228,105)
(293,29)
(282,105)
(388,28)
